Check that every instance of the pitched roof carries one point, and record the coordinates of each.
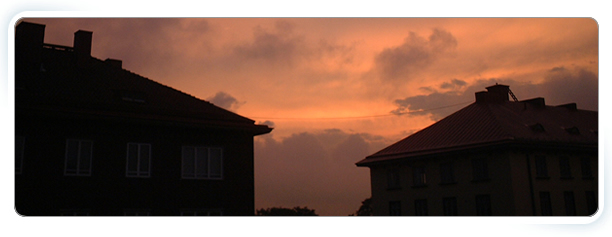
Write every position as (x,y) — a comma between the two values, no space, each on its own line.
(58,82)
(483,124)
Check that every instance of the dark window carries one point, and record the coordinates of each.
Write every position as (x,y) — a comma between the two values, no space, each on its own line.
(564,167)
(570,204)
(419,177)
(591,199)
(420,207)
(78,157)
(545,204)
(138,162)
(393,179)
(447,173)
(202,163)
(483,205)
(585,163)
(19,150)
(395,208)
(450,206)
(541,170)
(480,169)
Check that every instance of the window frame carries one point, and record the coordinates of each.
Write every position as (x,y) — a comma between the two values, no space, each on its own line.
(565,169)
(570,203)
(393,179)
(587,170)
(449,206)
(420,207)
(541,167)
(208,175)
(138,173)
(545,204)
(419,176)
(78,171)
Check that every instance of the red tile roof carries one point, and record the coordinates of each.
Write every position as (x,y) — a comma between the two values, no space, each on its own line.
(483,124)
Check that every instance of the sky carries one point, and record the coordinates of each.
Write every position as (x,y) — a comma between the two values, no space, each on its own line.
(336,90)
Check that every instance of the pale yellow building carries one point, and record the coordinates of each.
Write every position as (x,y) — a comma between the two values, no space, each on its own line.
(494,157)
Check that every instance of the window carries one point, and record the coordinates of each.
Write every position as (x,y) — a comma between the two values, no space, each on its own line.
(138,161)
(447,173)
(541,170)
(19,150)
(420,207)
(564,167)
(570,204)
(202,162)
(480,169)
(585,163)
(483,205)
(78,157)
(419,177)
(545,204)
(395,208)
(450,206)
(591,199)
(393,179)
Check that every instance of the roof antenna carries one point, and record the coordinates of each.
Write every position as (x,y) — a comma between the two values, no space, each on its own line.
(512,94)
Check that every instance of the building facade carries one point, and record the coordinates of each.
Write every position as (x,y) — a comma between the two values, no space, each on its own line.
(494,157)
(95,139)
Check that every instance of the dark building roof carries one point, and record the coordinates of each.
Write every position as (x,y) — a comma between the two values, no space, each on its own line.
(494,120)
(68,81)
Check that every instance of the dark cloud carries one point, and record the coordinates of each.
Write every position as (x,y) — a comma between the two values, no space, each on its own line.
(453,84)
(315,170)
(225,101)
(560,86)
(268,123)
(279,46)
(415,54)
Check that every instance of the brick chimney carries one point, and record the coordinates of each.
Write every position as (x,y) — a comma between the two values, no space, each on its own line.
(494,94)
(82,46)
(29,39)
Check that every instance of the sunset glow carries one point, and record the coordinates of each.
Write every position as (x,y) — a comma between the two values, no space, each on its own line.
(338,89)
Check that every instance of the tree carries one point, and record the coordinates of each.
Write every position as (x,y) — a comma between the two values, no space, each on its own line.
(282,211)
(365,209)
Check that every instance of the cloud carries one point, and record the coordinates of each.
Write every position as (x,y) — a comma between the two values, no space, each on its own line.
(225,101)
(453,84)
(280,46)
(314,169)
(405,61)
(560,86)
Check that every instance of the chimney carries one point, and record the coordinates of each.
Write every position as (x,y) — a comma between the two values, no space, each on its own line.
(82,46)
(29,39)
(496,94)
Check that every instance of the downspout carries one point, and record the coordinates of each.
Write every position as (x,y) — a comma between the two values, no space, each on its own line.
(533,208)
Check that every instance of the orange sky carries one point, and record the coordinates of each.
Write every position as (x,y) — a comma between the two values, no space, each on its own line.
(310,77)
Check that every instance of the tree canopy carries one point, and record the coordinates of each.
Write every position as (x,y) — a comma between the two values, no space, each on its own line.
(282,211)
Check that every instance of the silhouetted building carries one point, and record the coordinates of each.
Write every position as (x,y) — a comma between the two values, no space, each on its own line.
(493,157)
(95,139)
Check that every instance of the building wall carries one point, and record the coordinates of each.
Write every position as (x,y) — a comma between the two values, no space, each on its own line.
(43,189)
(464,189)
(554,183)
(509,187)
